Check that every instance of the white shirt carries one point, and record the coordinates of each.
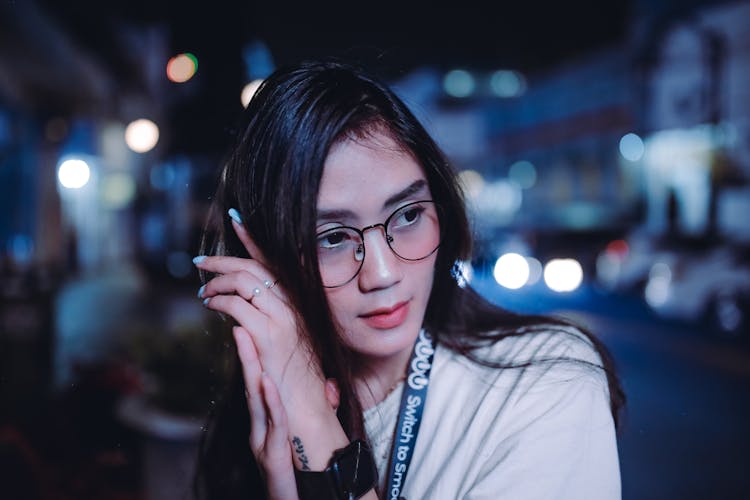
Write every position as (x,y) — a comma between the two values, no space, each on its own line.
(540,432)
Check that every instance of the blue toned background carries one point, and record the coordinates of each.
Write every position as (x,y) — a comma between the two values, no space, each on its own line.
(604,148)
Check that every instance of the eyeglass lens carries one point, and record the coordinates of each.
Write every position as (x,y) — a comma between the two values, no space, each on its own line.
(413,233)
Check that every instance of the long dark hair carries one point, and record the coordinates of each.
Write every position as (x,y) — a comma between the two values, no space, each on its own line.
(272,177)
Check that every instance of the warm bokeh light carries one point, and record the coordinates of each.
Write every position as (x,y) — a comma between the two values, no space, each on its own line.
(459,83)
(563,275)
(142,135)
(511,271)
(182,67)
(73,173)
(631,147)
(472,182)
(523,173)
(618,248)
(248,91)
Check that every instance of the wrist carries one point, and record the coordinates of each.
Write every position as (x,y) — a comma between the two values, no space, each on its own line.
(314,438)
(351,473)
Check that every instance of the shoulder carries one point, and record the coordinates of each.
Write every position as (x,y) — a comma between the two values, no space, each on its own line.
(536,359)
(536,406)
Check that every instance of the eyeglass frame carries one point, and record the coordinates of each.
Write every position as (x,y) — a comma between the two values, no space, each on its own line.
(388,238)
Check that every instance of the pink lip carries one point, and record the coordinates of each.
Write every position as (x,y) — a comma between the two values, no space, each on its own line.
(387,317)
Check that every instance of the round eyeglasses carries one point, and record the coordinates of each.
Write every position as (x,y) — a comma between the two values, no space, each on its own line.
(412,233)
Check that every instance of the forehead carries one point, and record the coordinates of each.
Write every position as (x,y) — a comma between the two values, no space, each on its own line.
(361,173)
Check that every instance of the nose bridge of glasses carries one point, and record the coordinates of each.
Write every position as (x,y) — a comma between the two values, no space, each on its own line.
(388,237)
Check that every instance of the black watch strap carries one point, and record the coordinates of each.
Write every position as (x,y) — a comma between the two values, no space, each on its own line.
(350,474)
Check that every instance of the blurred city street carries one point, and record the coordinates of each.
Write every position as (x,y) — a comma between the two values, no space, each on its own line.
(603,149)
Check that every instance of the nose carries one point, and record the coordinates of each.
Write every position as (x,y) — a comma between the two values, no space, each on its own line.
(381,268)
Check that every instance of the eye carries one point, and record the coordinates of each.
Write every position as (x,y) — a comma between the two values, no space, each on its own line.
(334,238)
(407,216)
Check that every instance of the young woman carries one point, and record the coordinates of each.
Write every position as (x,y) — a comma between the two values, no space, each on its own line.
(367,368)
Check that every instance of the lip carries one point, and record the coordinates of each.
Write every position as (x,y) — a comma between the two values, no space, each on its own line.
(387,317)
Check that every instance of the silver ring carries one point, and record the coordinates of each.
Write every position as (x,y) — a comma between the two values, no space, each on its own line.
(270,284)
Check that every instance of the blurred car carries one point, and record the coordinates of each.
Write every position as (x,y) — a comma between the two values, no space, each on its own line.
(713,287)
(695,281)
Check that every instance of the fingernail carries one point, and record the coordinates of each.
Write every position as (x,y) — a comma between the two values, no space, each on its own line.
(201,290)
(199,259)
(205,301)
(235,215)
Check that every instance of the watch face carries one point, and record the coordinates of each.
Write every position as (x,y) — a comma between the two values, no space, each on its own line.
(353,470)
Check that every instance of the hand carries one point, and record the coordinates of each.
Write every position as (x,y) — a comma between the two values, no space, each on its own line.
(245,290)
(269,434)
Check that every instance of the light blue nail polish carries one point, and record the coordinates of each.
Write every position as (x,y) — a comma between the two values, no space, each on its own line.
(205,301)
(235,215)
(199,259)
(201,290)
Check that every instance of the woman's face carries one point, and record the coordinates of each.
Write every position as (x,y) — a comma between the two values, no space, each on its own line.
(364,181)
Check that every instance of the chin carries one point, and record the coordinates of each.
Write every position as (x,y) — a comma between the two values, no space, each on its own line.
(385,343)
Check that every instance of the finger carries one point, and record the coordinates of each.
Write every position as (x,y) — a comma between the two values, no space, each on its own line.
(278,433)
(240,309)
(247,241)
(251,373)
(332,393)
(222,264)
(247,285)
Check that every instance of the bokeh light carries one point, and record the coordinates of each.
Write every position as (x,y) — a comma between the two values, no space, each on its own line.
(179,264)
(117,190)
(73,173)
(535,270)
(511,271)
(631,147)
(563,275)
(459,83)
(523,173)
(182,67)
(142,135)
(658,288)
(248,91)
(507,83)
(472,182)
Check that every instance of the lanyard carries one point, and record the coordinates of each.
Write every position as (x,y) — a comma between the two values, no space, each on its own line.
(410,414)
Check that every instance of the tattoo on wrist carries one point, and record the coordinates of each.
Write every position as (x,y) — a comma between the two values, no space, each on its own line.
(300,450)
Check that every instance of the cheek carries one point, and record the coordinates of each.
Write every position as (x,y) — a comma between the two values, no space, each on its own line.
(341,304)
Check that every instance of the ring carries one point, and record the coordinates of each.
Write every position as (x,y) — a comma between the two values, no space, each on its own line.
(256,292)
(270,284)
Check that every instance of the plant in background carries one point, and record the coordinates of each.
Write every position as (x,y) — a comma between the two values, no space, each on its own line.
(185,368)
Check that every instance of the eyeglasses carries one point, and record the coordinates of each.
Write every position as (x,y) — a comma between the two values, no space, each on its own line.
(412,233)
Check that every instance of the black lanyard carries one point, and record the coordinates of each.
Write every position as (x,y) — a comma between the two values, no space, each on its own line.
(410,414)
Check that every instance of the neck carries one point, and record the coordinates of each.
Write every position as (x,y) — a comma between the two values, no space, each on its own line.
(380,376)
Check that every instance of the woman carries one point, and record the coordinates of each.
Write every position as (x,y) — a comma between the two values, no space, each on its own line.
(336,262)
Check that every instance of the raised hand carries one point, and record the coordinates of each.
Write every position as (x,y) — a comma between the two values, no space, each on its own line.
(269,341)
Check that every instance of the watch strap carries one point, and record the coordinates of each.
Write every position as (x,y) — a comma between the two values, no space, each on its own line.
(351,473)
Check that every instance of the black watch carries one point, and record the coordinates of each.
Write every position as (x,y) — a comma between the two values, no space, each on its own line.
(350,474)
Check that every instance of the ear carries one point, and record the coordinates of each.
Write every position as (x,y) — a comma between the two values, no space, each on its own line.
(332,393)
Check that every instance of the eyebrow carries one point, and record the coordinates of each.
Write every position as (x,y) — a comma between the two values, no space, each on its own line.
(343,214)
